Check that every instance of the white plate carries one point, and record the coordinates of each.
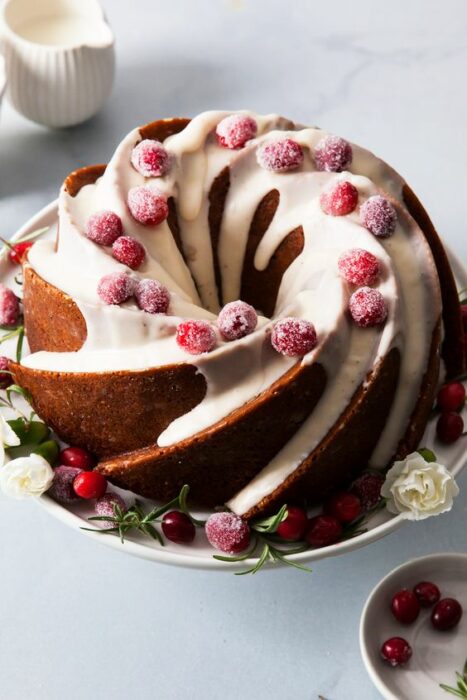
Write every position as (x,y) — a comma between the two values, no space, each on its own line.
(436,655)
(200,555)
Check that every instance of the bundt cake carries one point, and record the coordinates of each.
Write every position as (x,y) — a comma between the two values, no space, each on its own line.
(251,307)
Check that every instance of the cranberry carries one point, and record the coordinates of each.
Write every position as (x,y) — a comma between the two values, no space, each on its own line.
(150,158)
(152,296)
(148,205)
(368,307)
(359,266)
(294,526)
(344,506)
(451,396)
(62,485)
(378,216)
(449,427)
(128,251)
(396,651)
(339,200)
(446,614)
(427,593)
(234,131)
(90,485)
(405,606)
(5,378)
(227,532)
(105,507)
(280,156)
(104,227)
(115,288)
(77,457)
(236,320)
(9,307)
(368,489)
(178,527)
(323,530)
(196,337)
(333,154)
(293,337)
(18,252)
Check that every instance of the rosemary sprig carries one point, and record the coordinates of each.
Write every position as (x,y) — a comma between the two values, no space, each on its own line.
(460,690)
(17,332)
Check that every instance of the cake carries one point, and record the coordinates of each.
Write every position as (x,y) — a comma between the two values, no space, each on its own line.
(254,308)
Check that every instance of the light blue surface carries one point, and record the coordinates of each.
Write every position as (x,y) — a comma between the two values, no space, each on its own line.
(81,621)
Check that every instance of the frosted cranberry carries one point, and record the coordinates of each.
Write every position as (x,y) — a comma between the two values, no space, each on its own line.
(19,251)
(152,296)
(5,378)
(333,154)
(359,266)
(62,485)
(323,530)
(368,489)
(449,427)
(293,337)
(77,457)
(236,320)
(178,527)
(293,528)
(104,227)
(105,507)
(378,216)
(148,205)
(9,307)
(446,614)
(339,200)
(344,506)
(427,593)
(280,156)
(451,396)
(405,606)
(89,485)
(150,158)
(234,131)
(227,532)
(115,288)
(128,251)
(396,651)
(196,337)
(368,307)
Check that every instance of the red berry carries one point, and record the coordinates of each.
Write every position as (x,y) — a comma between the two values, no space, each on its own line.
(128,251)
(396,651)
(333,154)
(105,507)
(451,396)
(368,489)
(234,131)
(104,227)
(90,485)
(294,526)
(196,337)
(359,266)
(280,156)
(446,614)
(293,337)
(9,307)
(77,457)
(62,485)
(178,527)
(115,288)
(449,427)
(378,216)
(344,506)
(152,296)
(405,606)
(427,593)
(236,320)
(323,530)
(339,200)
(368,307)
(227,532)
(5,378)
(148,205)
(150,158)
(19,251)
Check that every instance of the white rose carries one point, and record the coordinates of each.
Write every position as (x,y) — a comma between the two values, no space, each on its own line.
(418,489)
(26,477)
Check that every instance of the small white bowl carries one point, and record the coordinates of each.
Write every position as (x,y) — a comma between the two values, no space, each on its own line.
(436,655)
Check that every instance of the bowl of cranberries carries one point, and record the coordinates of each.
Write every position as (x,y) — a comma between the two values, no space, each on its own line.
(413,628)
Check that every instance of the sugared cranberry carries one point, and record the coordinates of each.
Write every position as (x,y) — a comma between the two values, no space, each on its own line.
(323,530)
(234,131)
(378,216)
(115,288)
(368,489)
(9,307)
(150,158)
(128,251)
(105,507)
(236,320)
(405,606)
(104,227)
(333,154)
(148,205)
(62,485)
(344,506)
(5,378)
(293,337)
(427,593)
(152,296)
(19,252)
(359,266)
(227,532)
(77,457)
(196,337)
(368,307)
(294,526)
(446,614)
(340,200)
(449,427)
(396,651)
(90,485)
(451,396)
(178,527)
(280,156)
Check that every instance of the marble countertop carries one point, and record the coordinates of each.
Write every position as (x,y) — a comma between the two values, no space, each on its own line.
(80,620)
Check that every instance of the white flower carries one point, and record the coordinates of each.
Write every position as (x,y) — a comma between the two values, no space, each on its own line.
(26,477)
(418,489)
(8,438)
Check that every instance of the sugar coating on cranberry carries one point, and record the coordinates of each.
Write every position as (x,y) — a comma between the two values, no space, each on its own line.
(333,154)
(378,216)
(368,307)
(340,199)
(62,485)
(196,337)
(5,378)
(105,506)
(368,489)
(104,227)
(293,337)
(280,156)
(9,307)
(152,297)
(236,320)
(148,205)
(150,158)
(129,252)
(115,288)
(227,532)
(359,266)
(234,131)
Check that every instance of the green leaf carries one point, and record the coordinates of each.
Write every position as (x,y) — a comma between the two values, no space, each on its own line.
(49,450)
(29,432)
(270,525)
(428,455)
(19,345)
(452,691)
(16,389)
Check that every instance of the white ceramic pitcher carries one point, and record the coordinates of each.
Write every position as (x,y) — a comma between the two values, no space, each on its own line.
(60,59)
